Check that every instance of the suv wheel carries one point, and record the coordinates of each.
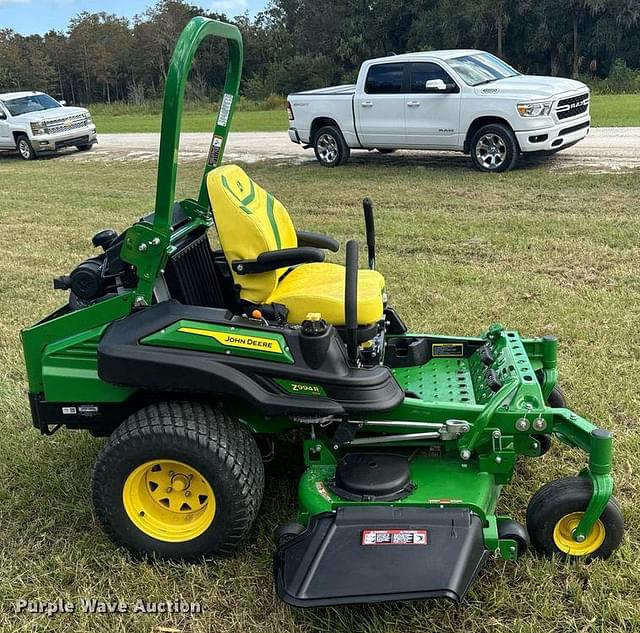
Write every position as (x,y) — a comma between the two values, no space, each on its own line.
(494,148)
(330,147)
(25,150)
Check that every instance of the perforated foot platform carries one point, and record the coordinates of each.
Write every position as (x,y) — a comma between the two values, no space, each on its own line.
(381,553)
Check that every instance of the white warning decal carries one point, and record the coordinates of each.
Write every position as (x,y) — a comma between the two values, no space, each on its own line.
(214,151)
(225,109)
(394,537)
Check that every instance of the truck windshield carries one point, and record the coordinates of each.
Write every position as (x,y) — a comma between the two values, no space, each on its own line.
(32,103)
(481,68)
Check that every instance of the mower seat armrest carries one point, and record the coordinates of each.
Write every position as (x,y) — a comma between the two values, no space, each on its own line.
(272,260)
(309,238)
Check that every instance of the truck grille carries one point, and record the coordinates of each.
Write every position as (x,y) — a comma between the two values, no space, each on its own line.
(573,106)
(65,124)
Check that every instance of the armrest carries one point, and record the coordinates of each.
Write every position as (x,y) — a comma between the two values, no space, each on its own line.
(309,238)
(272,260)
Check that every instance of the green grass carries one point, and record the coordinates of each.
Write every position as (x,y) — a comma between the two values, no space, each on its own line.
(606,110)
(615,110)
(194,121)
(539,251)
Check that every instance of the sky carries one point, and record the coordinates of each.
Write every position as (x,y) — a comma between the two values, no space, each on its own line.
(40,16)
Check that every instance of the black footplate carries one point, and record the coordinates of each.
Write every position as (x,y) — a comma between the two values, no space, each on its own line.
(381,553)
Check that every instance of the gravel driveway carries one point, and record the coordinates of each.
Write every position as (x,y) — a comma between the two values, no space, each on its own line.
(606,149)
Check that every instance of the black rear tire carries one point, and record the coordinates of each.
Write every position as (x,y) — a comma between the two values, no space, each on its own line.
(329,146)
(84,148)
(494,148)
(24,147)
(556,502)
(193,435)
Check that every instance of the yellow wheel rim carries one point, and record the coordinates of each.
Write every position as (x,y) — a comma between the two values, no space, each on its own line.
(169,500)
(563,536)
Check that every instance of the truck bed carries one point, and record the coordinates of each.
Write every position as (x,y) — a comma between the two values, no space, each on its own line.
(346,89)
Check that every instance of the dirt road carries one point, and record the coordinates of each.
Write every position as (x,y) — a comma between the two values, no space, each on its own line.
(604,150)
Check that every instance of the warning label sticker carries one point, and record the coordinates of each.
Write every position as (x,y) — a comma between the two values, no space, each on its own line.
(214,152)
(225,109)
(394,537)
(447,350)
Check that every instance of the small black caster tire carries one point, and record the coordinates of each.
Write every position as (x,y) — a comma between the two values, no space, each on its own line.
(287,532)
(515,531)
(544,443)
(555,511)
(557,399)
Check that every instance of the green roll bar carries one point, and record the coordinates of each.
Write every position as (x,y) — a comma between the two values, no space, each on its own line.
(192,36)
(145,245)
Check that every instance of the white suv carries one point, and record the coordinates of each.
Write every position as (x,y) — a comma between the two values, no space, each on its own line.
(35,123)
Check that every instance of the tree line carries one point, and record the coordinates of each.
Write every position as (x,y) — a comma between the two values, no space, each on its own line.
(300,44)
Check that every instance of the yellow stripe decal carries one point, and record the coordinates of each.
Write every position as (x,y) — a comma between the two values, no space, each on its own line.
(230,339)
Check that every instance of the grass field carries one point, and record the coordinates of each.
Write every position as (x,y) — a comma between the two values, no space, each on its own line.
(539,251)
(192,121)
(607,110)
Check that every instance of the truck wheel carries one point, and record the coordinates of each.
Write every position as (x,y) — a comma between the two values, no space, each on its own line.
(84,148)
(494,148)
(330,147)
(25,149)
(179,480)
(555,511)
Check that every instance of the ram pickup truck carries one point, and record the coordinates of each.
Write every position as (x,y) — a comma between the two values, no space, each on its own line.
(461,100)
(35,123)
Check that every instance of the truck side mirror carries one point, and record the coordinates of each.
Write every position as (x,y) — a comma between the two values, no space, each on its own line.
(2,116)
(435,84)
(62,102)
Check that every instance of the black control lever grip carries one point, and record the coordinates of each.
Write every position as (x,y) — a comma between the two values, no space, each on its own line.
(351,300)
(367,205)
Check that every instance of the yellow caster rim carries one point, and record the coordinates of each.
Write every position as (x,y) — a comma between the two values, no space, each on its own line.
(563,536)
(169,500)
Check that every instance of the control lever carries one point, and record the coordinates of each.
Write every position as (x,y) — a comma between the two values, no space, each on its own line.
(367,205)
(351,301)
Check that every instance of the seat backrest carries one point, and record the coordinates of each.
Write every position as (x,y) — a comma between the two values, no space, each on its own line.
(249,221)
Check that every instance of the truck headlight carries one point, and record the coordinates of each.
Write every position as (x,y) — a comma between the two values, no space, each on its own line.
(537,108)
(88,120)
(38,128)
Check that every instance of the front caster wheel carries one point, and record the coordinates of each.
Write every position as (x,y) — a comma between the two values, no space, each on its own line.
(555,511)
(179,480)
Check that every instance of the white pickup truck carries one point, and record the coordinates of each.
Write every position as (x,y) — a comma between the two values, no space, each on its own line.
(35,123)
(462,100)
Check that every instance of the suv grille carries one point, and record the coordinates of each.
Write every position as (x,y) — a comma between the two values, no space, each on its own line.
(65,124)
(573,106)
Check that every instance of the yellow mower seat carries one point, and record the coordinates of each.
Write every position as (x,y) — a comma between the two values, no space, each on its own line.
(250,221)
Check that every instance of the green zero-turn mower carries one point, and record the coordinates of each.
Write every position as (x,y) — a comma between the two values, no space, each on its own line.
(191,361)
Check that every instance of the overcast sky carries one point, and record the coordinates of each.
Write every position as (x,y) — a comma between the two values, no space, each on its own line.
(39,16)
